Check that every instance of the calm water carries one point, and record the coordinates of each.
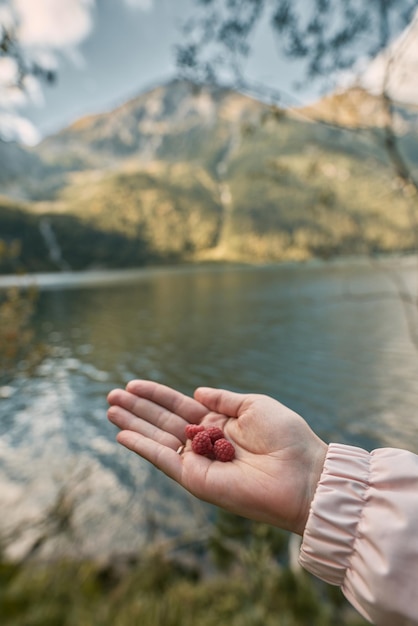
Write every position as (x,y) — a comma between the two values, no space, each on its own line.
(331,341)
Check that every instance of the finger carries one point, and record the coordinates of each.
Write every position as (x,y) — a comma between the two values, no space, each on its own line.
(220,400)
(126,421)
(165,459)
(169,398)
(150,412)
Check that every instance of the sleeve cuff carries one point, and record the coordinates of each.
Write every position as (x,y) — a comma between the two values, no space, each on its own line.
(335,511)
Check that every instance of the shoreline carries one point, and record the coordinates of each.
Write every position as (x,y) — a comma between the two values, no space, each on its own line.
(110,277)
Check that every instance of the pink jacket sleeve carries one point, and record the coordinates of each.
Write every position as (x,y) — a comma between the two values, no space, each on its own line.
(362,531)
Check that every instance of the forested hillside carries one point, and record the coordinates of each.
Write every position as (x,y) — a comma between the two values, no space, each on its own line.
(183,173)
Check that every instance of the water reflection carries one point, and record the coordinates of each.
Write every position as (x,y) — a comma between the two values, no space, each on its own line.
(330,341)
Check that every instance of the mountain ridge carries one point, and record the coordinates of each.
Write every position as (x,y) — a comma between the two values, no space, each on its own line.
(186,172)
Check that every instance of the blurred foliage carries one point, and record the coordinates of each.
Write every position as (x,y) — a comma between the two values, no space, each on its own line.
(156,588)
(18,348)
(326,37)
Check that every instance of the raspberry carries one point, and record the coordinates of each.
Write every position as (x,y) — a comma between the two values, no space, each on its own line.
(192,429)
(214,433)
(224,450)
(201,444)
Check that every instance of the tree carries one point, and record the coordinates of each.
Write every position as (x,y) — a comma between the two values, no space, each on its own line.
(329,37)
(34,36)
(11,48)
(20,71)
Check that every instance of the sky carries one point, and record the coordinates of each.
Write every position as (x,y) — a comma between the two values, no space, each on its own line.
(107,51)
(129,49)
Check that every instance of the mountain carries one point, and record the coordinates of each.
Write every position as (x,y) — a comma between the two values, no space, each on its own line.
(16,161)
(357,108)
(192,173)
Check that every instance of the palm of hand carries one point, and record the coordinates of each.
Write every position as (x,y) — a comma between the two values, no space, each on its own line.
(265,481)
(276,451)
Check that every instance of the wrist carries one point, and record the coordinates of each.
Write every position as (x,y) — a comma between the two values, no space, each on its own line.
(314,471)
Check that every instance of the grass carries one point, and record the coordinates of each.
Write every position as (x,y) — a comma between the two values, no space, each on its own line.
(158,591)
(238,578)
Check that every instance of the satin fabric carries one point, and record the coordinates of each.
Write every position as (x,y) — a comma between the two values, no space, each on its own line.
(362,531)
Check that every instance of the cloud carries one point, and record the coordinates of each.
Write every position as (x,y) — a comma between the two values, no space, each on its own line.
(14,127)
(45,30)
(9,71)
(53,24)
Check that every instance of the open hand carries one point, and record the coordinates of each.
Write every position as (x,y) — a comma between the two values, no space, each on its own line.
(278,458)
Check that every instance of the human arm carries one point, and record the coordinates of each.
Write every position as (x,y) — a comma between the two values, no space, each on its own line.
(357,511)
(362,531)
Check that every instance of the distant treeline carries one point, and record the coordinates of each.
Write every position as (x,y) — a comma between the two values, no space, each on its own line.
(23,247)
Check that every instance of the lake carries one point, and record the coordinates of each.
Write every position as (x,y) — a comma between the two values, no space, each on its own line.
(331,340)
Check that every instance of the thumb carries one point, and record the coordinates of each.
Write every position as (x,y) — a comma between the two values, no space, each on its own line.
(220,400)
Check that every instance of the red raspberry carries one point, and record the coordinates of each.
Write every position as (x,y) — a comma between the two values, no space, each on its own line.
(224,450)
(192,429)
(214,433)
(201,444)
